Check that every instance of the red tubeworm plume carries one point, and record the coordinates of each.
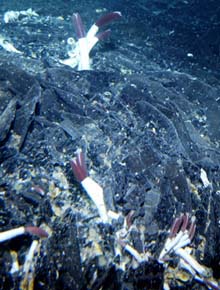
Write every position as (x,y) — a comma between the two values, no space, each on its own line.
(36,231)
(78,25)
(181,224)
(103,34)
(78,165)
(108,18)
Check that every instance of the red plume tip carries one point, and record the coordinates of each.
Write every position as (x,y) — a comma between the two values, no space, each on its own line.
(78,165)
(36,231)
(108,18)
(78,25)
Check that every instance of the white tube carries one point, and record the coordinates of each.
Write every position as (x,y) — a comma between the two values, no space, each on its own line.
(84,62)
(95,192)
(10,234)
